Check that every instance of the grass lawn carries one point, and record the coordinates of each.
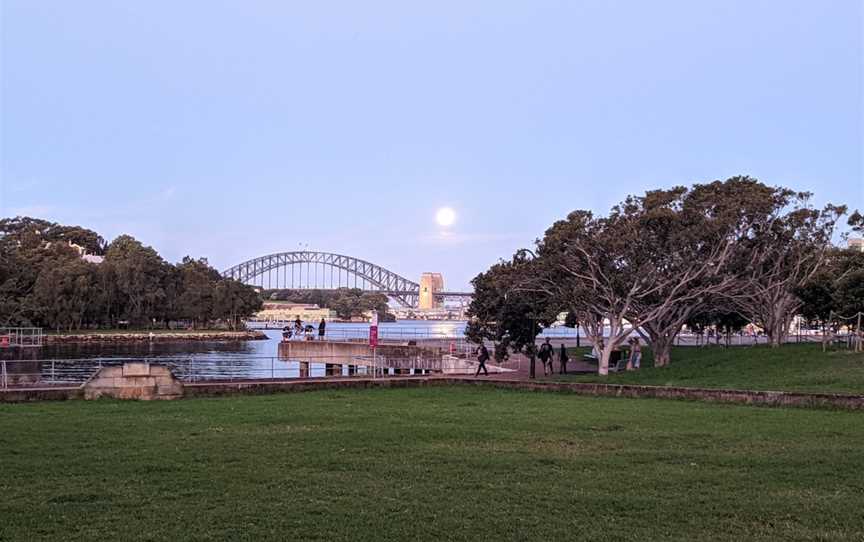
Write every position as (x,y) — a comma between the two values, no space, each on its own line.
(794,367)
(434,464)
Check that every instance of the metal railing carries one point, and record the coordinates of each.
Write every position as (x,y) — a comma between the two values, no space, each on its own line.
(22,337)
(16,374)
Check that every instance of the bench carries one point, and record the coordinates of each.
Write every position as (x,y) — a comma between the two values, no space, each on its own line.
(617,360)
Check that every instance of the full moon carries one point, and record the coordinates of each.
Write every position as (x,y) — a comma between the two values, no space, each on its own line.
(445,216)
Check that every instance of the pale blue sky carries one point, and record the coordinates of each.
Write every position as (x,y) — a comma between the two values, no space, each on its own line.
(235,129)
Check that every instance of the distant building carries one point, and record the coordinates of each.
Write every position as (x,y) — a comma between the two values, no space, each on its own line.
(90,258)
(430,284)
(274,311)
(857,244)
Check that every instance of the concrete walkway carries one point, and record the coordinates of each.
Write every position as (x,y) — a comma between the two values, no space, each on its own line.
(520,366)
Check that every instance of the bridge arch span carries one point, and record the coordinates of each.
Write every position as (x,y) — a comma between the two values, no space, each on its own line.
(377,278)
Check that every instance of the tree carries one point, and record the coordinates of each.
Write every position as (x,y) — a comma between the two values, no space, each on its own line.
(856,221)
(135,274)
(234,301)
(834,295)
(780,255)
(651,264)
(197,285)
(719,317)
(64,294)
(44,281)
(507,309)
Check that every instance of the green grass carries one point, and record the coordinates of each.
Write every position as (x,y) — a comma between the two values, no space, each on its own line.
(428,464)
(793,367)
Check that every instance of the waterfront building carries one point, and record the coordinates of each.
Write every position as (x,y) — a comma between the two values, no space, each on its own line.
(274,311)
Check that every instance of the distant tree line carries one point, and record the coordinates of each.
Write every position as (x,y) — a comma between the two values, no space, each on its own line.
(45,282)
(719,254)
(346,302)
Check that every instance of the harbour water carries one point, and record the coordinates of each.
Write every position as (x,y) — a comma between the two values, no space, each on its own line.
(69,363)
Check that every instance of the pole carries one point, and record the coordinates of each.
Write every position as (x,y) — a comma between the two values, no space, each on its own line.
(858,335)
(825,330)
(532,346)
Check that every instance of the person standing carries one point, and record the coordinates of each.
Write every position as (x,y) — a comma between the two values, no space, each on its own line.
(482,358)
(298,327)
(563,358)
(635,354)
(546,354)
(321,329)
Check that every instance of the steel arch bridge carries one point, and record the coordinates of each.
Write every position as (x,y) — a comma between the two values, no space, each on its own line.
(325,271)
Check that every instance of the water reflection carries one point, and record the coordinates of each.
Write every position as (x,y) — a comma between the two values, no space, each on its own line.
(194,360)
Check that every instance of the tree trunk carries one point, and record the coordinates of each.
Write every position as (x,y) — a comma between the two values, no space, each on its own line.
(661,347)
(776,331)
(662,339)
(603,362)
(605,356)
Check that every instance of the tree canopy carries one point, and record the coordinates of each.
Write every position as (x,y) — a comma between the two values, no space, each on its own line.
(45,282)
(719,252)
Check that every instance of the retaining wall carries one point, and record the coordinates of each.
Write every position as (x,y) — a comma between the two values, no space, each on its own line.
(747,397)
(394,354)
(134,381)
(143,336)
(216,389)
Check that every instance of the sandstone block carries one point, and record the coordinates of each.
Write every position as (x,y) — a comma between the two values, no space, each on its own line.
(136,369)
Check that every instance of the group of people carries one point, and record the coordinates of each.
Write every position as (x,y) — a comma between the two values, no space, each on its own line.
(299,331)
(546,354)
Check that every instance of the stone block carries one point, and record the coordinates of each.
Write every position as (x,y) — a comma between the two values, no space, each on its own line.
(136,369)
(135,382)
(132,382)
(169,390)
(161,371)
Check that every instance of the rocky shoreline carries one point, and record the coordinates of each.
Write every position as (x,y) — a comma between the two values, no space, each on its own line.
(144,336)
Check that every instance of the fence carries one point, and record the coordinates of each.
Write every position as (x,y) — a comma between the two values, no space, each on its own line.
(75,372)
(21,337)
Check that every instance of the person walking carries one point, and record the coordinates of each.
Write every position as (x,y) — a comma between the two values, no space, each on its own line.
(482,358)
(563,359)
(321,329)
(546,354)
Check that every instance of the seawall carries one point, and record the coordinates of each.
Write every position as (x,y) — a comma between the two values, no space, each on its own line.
(144,336)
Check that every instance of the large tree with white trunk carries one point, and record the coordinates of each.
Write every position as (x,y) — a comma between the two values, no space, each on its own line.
(779,255)
(662,259)
(653,262)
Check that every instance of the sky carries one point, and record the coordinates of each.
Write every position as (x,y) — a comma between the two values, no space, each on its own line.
(231,130)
